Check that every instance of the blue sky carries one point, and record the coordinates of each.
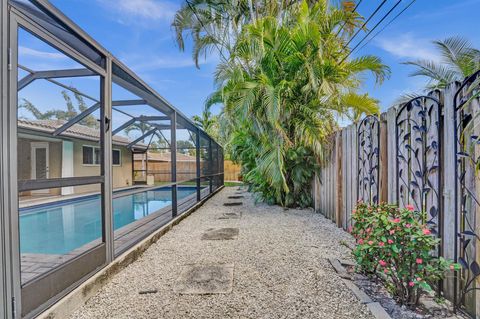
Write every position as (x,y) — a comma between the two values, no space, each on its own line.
(139,33)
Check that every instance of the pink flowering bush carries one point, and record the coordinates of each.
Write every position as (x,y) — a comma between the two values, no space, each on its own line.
(396,246)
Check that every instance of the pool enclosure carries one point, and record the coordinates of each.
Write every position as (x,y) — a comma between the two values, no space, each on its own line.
(93,160)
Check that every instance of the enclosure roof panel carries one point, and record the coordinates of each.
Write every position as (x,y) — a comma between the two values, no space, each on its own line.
(48,17)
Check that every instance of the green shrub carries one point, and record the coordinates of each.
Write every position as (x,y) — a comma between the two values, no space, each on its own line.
(396,246)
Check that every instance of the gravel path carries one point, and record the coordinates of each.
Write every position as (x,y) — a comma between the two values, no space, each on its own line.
(280,268)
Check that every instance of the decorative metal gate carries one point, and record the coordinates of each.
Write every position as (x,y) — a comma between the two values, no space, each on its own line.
(368,147)
(467,203)
(418,157)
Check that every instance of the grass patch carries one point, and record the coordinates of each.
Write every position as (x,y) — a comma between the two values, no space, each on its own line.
(232,184)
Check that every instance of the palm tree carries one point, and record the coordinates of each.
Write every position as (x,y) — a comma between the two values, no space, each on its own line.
(216,24)
(207,121)
(282,88)
(459,59)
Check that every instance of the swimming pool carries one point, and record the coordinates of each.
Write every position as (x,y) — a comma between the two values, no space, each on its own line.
(59,228)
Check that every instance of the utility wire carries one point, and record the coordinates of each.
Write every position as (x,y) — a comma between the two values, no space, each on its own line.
(345,23)
(203,26)
(386,25)
(365,23)
(373,29)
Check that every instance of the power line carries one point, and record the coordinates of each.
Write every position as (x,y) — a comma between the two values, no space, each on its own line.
(345,23)
(365,23)
(389,22)
(374,27)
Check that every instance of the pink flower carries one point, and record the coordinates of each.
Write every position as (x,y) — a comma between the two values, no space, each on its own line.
(392,231)
(368,230)
(385,271)
(370,242)
(426,231)
(349,229)
(354,211)
(390,241)
(382,263)
(360,241)
(396,220)
(419,261)
(410,207)
(408,225)
(411,284)
(381,244)
(419,279)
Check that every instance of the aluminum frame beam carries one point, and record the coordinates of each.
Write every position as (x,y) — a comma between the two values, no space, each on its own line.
(66,87)
(158,101)
(90,110)
(141,138)
(53,74)
(76,119)
(173,168)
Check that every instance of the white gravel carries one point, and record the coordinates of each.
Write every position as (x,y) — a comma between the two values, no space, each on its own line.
(280,268)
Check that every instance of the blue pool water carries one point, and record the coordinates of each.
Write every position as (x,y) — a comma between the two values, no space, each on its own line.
(59,228)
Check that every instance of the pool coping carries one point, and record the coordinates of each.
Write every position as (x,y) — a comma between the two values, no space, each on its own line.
(79,294)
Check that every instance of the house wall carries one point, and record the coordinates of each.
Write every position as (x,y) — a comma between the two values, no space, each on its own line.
(122,174)
(25,160)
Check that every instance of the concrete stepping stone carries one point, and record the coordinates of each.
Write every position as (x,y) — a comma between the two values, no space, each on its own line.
(220,234)
(233,204)
(148,292)
(236,196)
(205,279)
(231,216)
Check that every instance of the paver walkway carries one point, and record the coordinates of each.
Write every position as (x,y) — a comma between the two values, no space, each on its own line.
(279,259)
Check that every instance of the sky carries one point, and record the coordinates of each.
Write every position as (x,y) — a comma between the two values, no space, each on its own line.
(138,32)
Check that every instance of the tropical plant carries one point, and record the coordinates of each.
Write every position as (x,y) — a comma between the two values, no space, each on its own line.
(207,121)
(282,89)
(216,24)
(285,76)
(459,59)
(395,246)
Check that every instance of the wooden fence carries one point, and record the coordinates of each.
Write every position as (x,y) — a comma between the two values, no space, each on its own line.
(186,170)
(424,153)
(232,171)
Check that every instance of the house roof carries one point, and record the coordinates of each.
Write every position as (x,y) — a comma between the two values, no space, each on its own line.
(164,157)
(76,131)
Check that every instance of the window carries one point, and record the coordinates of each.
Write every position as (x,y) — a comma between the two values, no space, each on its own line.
(91,156)
(116,157)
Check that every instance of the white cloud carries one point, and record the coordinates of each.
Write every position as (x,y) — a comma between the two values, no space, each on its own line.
(409,46)
(142,12)
(29,52)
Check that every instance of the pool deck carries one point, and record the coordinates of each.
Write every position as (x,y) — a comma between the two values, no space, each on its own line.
(245,261)
(36,265)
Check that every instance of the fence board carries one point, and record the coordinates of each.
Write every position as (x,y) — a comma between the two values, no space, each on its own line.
(449,164)
(338,170)
(336,185)
(391,155)
(383,160)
